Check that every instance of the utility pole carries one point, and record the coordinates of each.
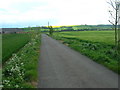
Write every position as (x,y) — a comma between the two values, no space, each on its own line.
(48,24)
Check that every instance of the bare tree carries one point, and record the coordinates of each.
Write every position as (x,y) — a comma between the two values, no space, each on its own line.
(114,13)
(119,31)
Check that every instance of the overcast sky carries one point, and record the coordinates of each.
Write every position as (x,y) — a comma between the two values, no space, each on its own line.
(21,13)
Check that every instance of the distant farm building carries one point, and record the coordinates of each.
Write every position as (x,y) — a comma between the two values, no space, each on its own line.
(0,30)
(11,30)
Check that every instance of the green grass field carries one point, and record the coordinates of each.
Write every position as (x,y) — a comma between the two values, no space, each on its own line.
(20,71)
(97,45)
(94,36)
(11,43)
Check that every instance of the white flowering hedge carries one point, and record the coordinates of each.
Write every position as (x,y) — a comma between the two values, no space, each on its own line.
(21,69)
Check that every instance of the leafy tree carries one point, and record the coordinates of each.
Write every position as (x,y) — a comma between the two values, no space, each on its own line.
(51,30)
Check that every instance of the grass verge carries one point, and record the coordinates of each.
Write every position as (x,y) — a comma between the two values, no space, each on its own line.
(20,71)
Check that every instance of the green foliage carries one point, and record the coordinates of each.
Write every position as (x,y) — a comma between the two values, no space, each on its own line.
(11,43)
(50,30)
(80,27)
(95,45)
(0,48)
(20,71)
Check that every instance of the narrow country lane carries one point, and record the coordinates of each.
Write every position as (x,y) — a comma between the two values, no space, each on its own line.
(62,67)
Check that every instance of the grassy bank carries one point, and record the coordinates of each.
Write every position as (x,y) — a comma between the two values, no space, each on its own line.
(20,71)
(0,60)
(0,48)
(11,43)
(97,45)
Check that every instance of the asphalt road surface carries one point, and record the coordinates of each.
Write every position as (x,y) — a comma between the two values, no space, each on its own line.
(62,67)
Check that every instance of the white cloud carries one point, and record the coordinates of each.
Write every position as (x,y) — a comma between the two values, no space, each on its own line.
(64,12)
